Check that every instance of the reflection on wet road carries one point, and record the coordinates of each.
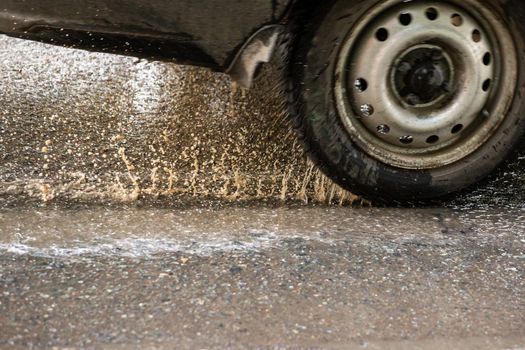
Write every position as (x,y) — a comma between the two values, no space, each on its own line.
(263,277)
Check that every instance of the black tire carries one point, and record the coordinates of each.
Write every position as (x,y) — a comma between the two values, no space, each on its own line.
(329,144)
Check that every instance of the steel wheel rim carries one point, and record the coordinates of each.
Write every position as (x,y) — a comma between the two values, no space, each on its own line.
(479,63)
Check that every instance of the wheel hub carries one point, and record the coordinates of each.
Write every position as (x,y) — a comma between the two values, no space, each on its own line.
(422,76)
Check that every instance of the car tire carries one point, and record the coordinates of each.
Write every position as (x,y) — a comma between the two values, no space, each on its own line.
(372,120)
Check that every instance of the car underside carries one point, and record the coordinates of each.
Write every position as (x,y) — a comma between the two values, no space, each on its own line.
(204,33)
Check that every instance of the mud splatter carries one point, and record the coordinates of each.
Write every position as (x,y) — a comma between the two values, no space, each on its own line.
(95,128)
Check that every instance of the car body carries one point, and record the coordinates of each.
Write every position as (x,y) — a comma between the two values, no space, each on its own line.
(196,32)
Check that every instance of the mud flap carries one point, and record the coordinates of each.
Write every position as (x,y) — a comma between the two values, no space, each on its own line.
(258,49)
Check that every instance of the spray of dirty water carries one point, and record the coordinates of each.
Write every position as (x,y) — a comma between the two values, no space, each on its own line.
(88,127)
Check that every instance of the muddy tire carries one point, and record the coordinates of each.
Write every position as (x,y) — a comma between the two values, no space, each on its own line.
(403,101)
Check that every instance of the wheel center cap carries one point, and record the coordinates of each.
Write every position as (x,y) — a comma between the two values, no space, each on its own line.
(425,80)
(422,75)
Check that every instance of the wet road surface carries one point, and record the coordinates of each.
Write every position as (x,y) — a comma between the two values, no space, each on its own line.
(90,127)
(276,278)
(80,127)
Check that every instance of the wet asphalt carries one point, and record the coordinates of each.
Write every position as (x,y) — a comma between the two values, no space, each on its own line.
(262,278)
(140,207)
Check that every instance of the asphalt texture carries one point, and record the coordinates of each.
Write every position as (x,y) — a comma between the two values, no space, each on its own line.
(274,278)
(142,206)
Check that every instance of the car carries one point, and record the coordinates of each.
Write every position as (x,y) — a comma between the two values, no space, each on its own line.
(395,100)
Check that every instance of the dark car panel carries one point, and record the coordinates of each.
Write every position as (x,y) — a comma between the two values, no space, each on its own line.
(200,32)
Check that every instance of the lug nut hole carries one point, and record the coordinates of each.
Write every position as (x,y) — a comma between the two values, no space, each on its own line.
(456,20)
(432,139)
(487,58)
(431,13)
(486,85)
(361,85)
(382,34)
(366,110)
(405,19)
(383,129)
(476,36)
(406,140)
(457,128)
